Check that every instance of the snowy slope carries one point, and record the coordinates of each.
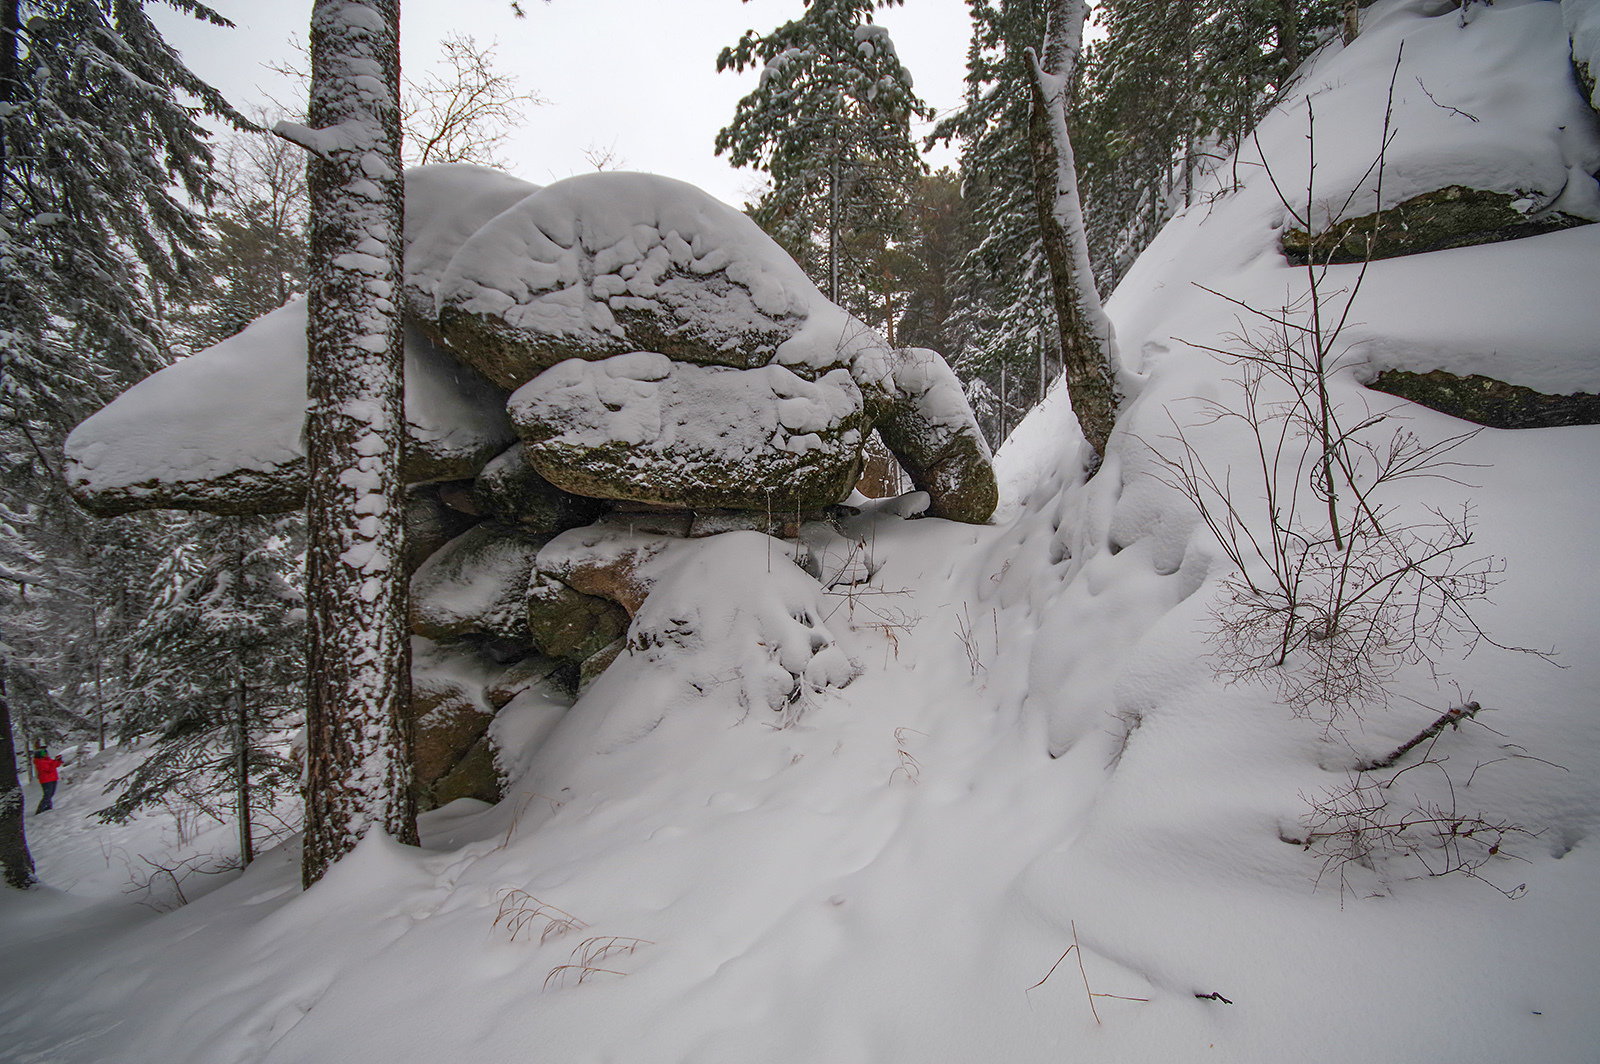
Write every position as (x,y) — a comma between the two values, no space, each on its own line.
(1036,751)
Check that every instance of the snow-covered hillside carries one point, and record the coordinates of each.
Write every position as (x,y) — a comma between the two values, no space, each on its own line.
(1036,750)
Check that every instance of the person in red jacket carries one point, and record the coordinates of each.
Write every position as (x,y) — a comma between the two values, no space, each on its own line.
(49,771)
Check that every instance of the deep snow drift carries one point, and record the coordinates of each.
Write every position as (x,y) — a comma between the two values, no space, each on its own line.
(1017,740)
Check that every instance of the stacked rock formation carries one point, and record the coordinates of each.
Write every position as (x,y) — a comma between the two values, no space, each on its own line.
(616,354)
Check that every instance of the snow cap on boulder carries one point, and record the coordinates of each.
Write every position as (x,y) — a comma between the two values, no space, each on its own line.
(221,430)
(445,204)
(609,263)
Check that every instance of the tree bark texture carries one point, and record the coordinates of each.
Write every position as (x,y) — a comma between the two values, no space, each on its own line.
(16,863)
(358,756)
(1088,347)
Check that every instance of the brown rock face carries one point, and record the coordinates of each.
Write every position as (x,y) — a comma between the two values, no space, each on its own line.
(568,624)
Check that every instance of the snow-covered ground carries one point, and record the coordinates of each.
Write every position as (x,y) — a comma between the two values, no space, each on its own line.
(1035,750)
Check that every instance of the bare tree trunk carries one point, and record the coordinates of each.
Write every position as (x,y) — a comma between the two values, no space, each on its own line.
(358,756)
(1088,347)
(247,851)
(833,228)
(1287,30)
(241,711)
(1351,13)
(99,692)
(16,863)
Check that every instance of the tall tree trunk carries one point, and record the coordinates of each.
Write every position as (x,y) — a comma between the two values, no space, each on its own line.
(241,766)
(1088,346)
(358,757)
(16,863)
(1286,27)
(241,710)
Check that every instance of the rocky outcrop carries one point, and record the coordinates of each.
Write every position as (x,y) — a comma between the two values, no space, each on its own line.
(1486,401)
(1451,217)
(676,376)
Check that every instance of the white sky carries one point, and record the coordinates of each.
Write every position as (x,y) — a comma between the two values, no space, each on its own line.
(637,77)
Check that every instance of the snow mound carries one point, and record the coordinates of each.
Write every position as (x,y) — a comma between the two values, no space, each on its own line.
(1486,105)
(731,626)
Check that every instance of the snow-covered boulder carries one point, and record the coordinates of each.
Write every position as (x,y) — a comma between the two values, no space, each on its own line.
(611,558)
(568,624)
(605,264)
(445,204)
(644,428)
(476,584)
(936,438)
(511,491)
(221,430)
(455,419)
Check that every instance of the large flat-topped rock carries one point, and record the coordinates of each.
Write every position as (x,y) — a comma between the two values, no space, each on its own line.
(220,431)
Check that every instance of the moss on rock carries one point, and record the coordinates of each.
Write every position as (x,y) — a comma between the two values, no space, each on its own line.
(568,624)
(1486,401)
(1450,217)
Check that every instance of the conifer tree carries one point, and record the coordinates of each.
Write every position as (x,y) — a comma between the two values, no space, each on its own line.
(1004,316)
(830,122)
(102,169)
(358,758)
(217,667)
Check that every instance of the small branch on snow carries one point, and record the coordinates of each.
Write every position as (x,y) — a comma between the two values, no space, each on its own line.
(1451,718)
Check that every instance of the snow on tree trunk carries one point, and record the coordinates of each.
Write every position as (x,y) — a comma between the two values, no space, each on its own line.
(16,863)
(1088,347)
(358,771)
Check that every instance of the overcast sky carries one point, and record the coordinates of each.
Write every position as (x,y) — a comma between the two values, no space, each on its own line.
(635,77)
